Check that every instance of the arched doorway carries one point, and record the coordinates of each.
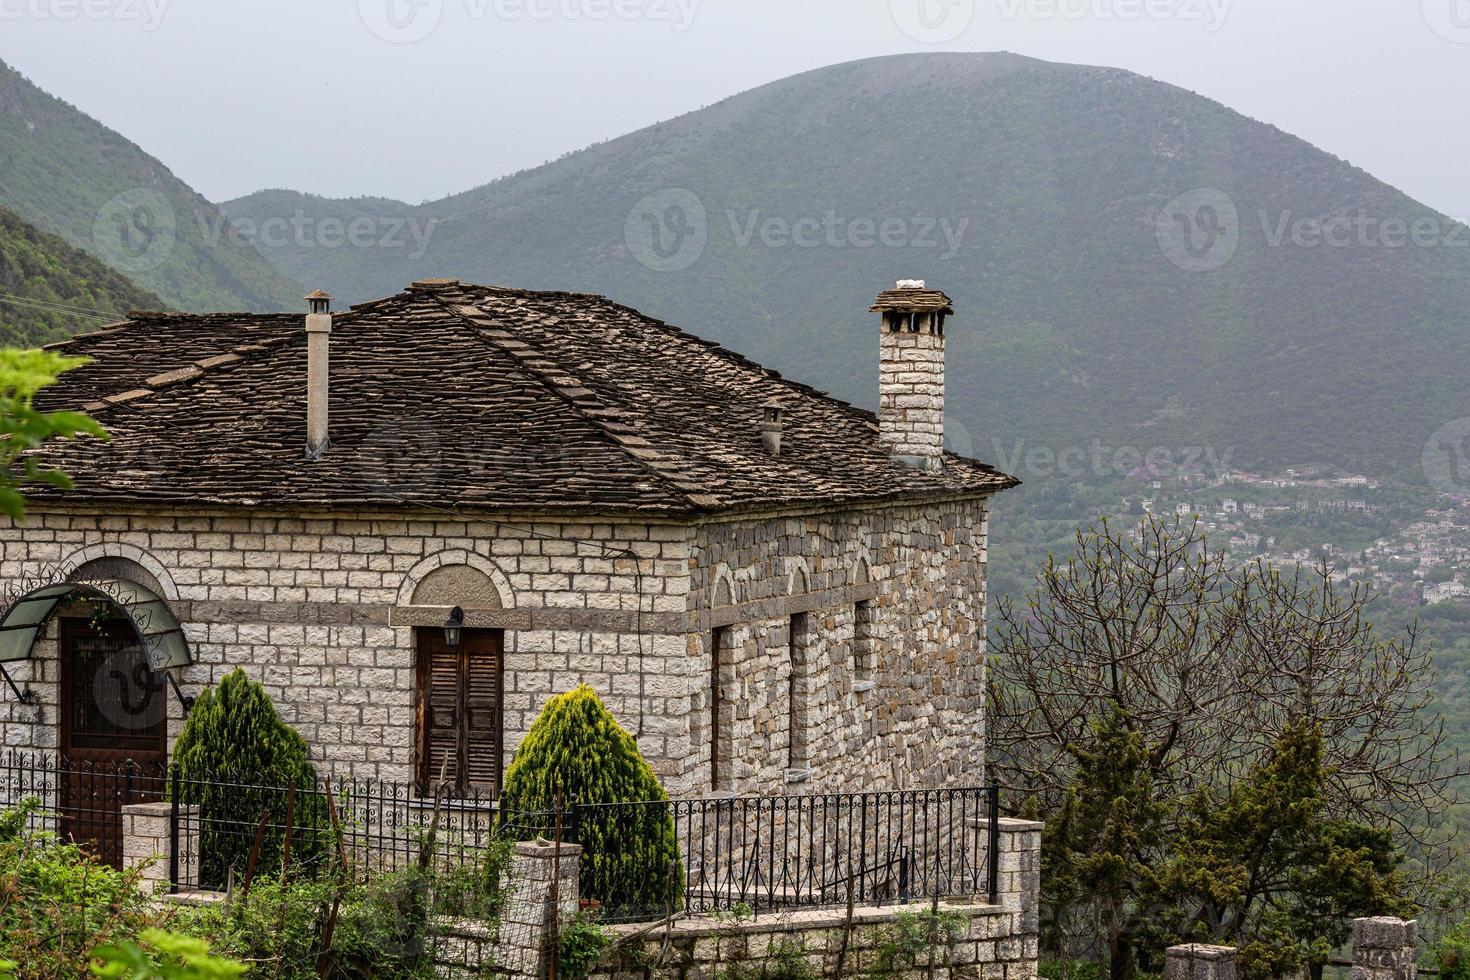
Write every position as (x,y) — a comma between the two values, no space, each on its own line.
(116,642)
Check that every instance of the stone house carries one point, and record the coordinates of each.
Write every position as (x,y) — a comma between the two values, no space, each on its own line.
(773,590)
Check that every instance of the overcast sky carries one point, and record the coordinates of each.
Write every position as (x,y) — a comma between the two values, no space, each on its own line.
(416,99)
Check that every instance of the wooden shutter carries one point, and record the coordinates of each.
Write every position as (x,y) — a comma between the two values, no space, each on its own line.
(482,682)
(460,711)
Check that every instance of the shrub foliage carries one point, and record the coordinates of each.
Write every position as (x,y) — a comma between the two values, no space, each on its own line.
(578,750)
(237,759)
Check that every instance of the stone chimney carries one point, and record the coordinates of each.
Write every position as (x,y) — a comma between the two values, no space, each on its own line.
(772,424)
(318,373)
(911,373)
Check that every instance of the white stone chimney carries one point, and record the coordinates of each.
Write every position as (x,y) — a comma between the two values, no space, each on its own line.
(318,372)
(773,415)
(911,373)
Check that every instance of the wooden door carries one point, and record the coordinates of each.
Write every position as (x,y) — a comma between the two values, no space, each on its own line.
(114,731)
(460,693)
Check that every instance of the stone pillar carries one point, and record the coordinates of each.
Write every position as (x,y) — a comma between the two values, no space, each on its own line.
(1018,892)
(147,842)
(1385,949)
(1199,961)
(1020,863)
(524,947)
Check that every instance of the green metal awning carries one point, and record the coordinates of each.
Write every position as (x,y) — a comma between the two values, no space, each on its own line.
(162,638)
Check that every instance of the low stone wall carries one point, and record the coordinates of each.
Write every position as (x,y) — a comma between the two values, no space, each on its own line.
(971,942)
(970,939)
(1383,949)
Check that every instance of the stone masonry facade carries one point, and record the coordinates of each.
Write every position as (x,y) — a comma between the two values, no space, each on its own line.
(322,609)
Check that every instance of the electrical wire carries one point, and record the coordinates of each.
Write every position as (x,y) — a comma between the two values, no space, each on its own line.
(50,307)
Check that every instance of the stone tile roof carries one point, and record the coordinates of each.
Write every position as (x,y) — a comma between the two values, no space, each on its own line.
(906,299)
(466,397)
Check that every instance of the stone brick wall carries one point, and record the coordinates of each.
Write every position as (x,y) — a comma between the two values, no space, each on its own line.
(918,723)
(147,841)
(319,609)
(322,610)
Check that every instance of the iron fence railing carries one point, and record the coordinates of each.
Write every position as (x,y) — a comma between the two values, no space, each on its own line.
(760,854)
(822,850)
(78,799)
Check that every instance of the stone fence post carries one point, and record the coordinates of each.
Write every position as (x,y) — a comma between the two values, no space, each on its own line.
(1019,887)
(1385,949)
(1198,961)
(148,844)
(1018,890)
(524,948)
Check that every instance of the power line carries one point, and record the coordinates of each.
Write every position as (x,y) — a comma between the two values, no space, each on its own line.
(57,308)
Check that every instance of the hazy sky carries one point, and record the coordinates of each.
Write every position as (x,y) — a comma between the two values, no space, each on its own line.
(419,98)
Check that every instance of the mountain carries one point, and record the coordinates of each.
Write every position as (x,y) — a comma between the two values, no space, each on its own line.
(69,175)
(1051,201)
(42,279)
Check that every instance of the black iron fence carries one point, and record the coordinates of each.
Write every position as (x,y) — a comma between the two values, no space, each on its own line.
(759,854)
(822,850)
(79,799)
(229,832)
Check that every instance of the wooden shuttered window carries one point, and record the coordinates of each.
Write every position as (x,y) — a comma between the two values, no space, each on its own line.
(459,711)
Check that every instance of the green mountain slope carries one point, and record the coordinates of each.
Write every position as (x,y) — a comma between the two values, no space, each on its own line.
(39,272)
(1074,324)
(71,176)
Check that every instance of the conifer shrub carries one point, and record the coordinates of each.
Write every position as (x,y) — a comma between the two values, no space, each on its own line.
(236,759)
(630,860)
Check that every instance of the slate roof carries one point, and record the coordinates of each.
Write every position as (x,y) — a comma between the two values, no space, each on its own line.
(466,397)
(912,300)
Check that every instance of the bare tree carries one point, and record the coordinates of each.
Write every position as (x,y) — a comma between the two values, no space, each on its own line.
(1210,663)
(1137,623)
(1307,652)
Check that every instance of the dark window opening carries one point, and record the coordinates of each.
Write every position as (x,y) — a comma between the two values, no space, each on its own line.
(719,640)
(796,697)
(864,645)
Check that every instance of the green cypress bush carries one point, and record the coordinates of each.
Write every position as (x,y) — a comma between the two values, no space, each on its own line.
(234,758)
(630,861)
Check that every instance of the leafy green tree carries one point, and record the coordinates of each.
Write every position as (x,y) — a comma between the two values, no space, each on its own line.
(23,427)
(237,760)
(576,751)
(1099,854)
(165,955)
(59,901)
(1453,952)
(1214,707)
(1265,867)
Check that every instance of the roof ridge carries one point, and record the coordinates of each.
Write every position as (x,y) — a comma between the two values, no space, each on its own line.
(136,318)
(586,403)
(715,347)
(189,374)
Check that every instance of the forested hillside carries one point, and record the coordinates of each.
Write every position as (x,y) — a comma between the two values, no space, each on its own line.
(48,288)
